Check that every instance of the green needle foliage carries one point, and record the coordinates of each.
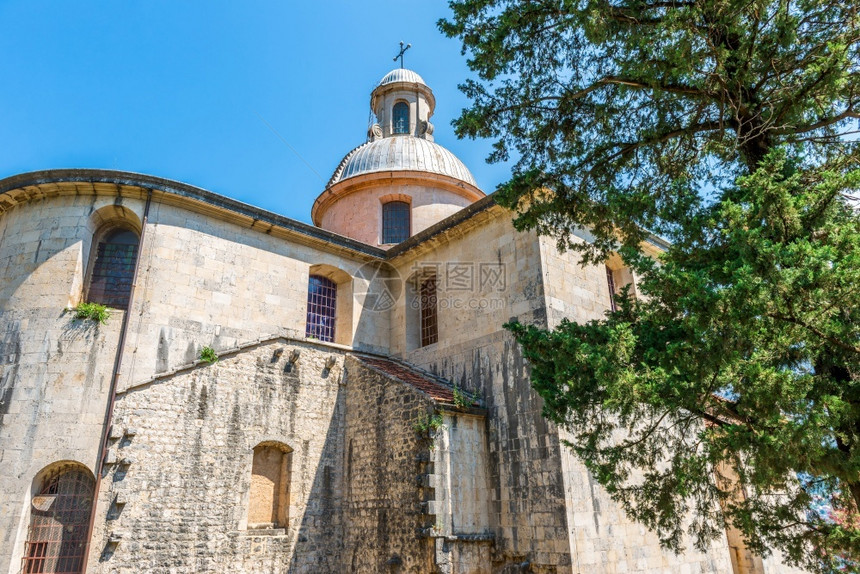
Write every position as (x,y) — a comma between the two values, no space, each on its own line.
(726,127)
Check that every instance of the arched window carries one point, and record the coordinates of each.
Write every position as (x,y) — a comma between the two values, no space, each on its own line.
(322,295)
(401,118)
(429,314)
(113,270)
(395,222)
(59,517)
(270,486)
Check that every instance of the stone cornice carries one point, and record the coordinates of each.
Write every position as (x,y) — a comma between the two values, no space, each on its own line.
(57,182)
(371,180)
(36,185)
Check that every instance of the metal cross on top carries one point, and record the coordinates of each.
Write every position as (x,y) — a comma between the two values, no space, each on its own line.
(402,51)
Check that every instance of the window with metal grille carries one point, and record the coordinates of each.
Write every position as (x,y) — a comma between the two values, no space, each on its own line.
(60,514)
(401,118)
(322,295)
(395,222)
(610,280)
(429,313)
(113,270)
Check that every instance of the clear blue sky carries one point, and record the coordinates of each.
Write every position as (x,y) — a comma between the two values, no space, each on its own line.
(178,89)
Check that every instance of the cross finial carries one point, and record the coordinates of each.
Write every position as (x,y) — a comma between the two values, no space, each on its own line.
(402,51)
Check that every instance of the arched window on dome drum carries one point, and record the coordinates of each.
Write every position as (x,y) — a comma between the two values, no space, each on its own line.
(401,118)
(113,270)
(59,517)
(322,294)
(395,222)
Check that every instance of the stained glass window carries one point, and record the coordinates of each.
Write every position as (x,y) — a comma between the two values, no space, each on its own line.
(395,222)
(322,294)
(113,271)
(401,118)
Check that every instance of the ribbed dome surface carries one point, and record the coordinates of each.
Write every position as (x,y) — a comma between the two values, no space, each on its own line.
(401,153)
(401,75)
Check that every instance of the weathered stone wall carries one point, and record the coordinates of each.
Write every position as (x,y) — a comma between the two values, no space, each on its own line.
(176,495)
(462,495)
(461,476)
(55,371)
(385,461)
(207,282)
(185,484)
(202,281)
(527,509)
(602,538)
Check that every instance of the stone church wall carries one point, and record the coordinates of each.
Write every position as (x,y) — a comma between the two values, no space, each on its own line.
(55,371)
(202,282)
(527,513)
(385,510)
(211,283)
(184,485)
(602,538)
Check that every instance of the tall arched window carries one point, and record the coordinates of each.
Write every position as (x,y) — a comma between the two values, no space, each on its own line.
(322,296)
(395,222)
(270,486)
(113,270)
(429,313)
(59,517)
(401,118)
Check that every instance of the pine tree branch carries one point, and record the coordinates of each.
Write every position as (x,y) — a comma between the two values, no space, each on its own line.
(815,331)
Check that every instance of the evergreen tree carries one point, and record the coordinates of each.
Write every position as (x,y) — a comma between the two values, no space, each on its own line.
(728,128)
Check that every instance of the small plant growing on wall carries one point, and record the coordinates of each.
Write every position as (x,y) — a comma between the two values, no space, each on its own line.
(428,423)
(93,312)
(208,355)
(463,399)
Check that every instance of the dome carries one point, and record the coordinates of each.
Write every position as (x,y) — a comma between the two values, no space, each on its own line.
(401,153)
(401,75)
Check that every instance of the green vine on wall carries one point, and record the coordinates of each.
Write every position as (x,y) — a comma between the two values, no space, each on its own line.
(428,423)
(463,399)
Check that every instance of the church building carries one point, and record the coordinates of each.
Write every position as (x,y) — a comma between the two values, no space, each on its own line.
(268,396)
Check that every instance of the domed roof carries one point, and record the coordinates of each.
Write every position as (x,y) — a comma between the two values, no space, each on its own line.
(401,75)
(401,153)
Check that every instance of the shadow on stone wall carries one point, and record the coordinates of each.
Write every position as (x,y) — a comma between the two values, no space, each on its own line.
(319,541)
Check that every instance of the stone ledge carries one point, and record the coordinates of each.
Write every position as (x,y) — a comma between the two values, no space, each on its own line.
(259,532)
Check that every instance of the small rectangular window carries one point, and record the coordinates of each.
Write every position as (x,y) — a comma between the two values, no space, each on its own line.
(429,312)
(395,222)
(401,118)
(610,280)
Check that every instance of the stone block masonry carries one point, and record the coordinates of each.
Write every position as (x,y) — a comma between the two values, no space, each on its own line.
(185,476)
(385,504)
